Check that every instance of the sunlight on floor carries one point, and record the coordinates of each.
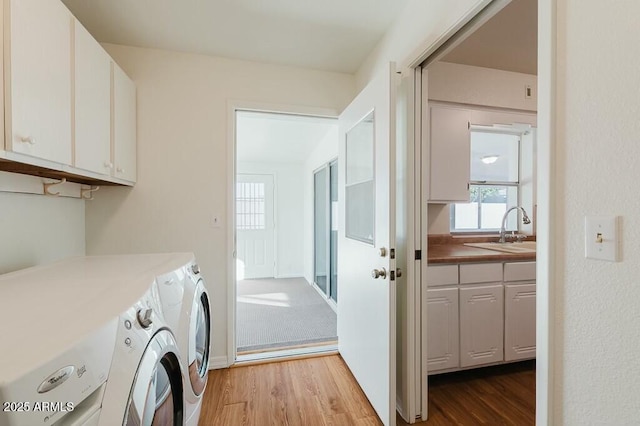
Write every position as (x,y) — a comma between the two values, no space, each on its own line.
(270,299)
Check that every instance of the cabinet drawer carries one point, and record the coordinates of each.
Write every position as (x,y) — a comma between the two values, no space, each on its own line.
(442,275)
(520,271)
(480,273)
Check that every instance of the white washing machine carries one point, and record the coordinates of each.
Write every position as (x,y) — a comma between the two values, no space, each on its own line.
(145,385)
(59,325)
(185,303)
(56,343)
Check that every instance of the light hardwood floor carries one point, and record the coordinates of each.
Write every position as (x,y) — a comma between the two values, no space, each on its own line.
(322,391)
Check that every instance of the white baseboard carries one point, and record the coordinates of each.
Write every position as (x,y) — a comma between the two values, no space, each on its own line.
(218,362)
(290,276)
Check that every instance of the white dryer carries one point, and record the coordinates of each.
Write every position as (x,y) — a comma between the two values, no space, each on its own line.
(185,304)
(194,341)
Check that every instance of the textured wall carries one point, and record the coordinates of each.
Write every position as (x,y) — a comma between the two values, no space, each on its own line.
(598,152)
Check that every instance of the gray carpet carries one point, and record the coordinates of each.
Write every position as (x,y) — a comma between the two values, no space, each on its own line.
(278,313)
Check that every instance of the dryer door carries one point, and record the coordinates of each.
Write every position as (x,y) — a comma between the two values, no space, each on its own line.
(199,335)
(156,396)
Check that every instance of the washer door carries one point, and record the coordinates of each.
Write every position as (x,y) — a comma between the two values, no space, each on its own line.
(199,335)
(156,396)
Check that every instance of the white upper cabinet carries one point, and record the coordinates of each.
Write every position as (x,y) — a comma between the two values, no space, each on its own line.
(38,96)
(449,154)
(124,125)
(92,104)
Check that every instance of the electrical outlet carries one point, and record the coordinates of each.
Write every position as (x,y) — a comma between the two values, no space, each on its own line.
(528,91)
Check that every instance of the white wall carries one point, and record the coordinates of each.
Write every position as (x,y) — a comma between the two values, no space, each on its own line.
(597,149)
(183,134)
(465,84)
(289,212)
(326,151)
(420,25)
(36,229)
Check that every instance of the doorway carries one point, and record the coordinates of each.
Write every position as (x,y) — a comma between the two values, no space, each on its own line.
(452,84)
(279,308)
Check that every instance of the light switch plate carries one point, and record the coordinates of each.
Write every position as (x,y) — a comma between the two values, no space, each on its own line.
(601,238)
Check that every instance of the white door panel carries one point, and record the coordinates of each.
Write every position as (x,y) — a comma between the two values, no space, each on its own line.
(367,306)
(255,226)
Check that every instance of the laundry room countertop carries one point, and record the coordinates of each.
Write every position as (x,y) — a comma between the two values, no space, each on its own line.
(45,310)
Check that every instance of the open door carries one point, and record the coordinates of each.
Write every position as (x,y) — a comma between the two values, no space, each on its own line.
(366,238)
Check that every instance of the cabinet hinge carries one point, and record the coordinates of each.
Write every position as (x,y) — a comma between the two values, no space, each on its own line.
(418,254)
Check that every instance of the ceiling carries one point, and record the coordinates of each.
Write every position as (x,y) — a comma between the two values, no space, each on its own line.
(332,35)
(508,41)
(281,138)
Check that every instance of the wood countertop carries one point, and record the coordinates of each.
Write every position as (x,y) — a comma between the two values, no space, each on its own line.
(458,253)
(447,249)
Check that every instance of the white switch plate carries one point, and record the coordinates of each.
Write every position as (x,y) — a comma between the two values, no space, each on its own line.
(601,238)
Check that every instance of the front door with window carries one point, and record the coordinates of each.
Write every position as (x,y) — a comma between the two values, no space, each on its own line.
(255,227)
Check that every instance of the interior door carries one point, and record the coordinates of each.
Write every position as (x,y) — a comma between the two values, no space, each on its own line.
(255,226)
(366,241)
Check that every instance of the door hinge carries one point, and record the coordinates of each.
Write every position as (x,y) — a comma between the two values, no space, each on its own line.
(418,254)
(392,253)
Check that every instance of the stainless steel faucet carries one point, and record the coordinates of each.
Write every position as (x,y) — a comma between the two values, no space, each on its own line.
(525,220)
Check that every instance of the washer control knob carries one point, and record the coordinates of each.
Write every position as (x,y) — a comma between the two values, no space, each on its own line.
(127,341)
(127,324)
(195,268)
(144,317)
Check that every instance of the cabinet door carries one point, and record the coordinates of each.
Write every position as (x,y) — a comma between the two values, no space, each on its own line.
(520,321)
(124,125)
(481,324)
(442,329)
(449,154)
(92,104)
(39,109)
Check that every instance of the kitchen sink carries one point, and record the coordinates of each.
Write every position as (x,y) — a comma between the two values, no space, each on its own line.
(523,247)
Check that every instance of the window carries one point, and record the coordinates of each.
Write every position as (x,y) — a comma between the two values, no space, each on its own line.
(250,206)
(494,186)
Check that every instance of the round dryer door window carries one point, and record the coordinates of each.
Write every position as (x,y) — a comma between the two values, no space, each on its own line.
(156,395)
(199,341)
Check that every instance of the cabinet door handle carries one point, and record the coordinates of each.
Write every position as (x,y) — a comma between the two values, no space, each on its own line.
(28,139)
(120,170)
(108,165)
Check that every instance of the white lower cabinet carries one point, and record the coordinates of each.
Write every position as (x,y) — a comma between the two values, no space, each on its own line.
(480,314)
(443,350)
(520,321)
(481,324)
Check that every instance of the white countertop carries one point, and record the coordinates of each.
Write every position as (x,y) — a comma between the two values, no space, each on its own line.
(46,309)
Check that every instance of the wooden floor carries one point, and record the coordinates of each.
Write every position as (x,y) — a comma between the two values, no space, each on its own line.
(322,391)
